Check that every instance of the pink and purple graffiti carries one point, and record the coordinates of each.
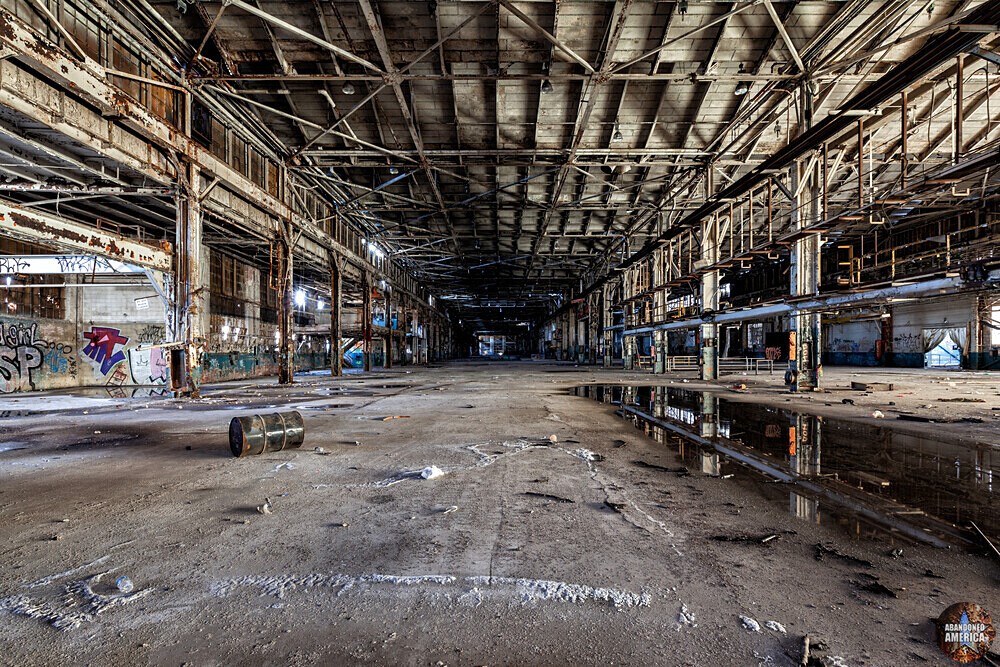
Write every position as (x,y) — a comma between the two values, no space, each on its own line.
(101,347)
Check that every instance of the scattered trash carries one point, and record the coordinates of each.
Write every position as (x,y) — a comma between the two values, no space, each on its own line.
(896,553)
(553,438)
(357,443)
(686,618)
(774,626)
(822,551)
(321,451)
(265,508)
(97,432)
(804,662)
(750,624)
(847,401)
(453,508)
(549,496)
(877,414)
(431,472)
(385,419)
(871,584)
(739,388)
(124,584)
(617,507)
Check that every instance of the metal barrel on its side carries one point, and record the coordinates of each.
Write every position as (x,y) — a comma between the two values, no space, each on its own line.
(257,434)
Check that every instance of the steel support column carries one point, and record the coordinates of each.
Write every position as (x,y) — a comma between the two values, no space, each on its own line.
(660,352)
(709,330)
(336,309)
(390,342)
(366,323)
(286,341)
(190,315)
(805,353)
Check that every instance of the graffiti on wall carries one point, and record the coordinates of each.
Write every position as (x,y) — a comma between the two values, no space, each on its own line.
(148,366)
(151,334)
(907,343)
(21,353)
(102,345)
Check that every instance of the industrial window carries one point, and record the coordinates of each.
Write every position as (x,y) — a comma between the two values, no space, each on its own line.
(257,173)
(227,276)
(124,59)
(17,295)
(163,102)
(238,154)
(268,303)
(218,139)
(84,30)
(272,179)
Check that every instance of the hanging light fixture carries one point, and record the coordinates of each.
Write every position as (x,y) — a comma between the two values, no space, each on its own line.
(546,86)
(742,88)
(617,136)
(393,170)
(348,88)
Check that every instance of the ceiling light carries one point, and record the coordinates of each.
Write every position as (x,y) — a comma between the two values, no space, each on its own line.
(546,86)
(348,88)
(393,170)
(617,136)
(742,88)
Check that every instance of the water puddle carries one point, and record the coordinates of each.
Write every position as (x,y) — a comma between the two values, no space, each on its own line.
(869,480)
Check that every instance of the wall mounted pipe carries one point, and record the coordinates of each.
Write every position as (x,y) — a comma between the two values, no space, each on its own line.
(929,288)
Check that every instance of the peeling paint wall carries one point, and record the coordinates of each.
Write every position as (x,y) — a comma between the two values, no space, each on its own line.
(105,341)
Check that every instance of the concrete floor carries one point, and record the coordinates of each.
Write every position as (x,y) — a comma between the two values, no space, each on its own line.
(360,562)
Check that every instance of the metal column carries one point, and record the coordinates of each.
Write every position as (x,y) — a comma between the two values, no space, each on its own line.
(389,341)
(366,323)
(190,315)
(709,290)
(336,308)
(286,341)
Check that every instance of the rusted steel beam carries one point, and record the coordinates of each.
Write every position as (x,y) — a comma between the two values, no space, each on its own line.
(48,229)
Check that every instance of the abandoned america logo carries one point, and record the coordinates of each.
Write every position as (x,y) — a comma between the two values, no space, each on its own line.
(965,632)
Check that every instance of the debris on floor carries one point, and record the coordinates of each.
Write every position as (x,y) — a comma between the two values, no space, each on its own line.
(750,624)
(821,551)
(549,496)
(685,618)
(774,626)
(431,472)
(265,508)
(390,418)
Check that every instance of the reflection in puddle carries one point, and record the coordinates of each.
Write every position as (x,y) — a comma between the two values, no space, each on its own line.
(868,479)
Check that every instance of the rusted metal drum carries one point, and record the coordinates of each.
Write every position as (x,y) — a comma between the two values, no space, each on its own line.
(266,433)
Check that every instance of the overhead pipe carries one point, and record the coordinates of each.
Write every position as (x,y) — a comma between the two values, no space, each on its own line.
(930,288)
